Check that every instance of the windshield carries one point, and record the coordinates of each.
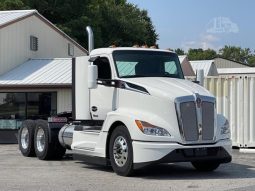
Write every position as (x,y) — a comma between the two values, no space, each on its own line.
(133,64)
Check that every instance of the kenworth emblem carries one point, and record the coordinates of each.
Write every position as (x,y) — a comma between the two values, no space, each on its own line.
(199,102)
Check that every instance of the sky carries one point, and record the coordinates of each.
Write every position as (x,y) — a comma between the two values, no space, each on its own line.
(202,23)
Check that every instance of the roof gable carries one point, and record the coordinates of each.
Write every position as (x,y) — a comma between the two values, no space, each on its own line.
(182,58)
(186,66)
(9,17)
(207,65)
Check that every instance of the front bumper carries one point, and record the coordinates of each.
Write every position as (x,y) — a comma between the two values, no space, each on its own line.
(146,153)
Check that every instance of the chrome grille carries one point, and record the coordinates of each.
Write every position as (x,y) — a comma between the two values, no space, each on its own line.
(189,121)
(207,120)
(196,116)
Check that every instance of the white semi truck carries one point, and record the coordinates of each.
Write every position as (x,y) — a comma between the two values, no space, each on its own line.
(132,107)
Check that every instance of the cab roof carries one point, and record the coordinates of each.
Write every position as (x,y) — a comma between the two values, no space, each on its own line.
(110,50)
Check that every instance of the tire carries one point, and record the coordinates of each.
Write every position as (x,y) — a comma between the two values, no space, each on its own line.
(122,159)
(47,146)
(205,166)
(26,138)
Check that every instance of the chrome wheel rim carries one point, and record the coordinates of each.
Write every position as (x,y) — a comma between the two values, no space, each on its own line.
(40,139)
(120,151)
(24,138)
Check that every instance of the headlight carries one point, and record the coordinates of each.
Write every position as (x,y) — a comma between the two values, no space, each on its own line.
(150,129)
(225,128)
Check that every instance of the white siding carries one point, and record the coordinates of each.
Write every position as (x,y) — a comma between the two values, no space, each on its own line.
(15,43)
(235,99)
(64,102)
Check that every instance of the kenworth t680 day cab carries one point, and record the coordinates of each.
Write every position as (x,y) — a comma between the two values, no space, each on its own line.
(132,107)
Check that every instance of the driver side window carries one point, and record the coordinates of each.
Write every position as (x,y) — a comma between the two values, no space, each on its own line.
(104,68)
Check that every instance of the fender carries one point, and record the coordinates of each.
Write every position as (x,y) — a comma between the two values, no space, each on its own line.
(54,128)
(128,118)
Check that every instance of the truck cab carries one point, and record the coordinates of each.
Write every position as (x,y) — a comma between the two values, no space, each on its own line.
(144,108)
(132,108)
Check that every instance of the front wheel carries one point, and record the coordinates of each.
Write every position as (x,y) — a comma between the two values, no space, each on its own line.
(121,151)
(206,166)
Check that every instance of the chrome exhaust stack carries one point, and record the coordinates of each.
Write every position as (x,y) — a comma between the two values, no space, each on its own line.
(90,39)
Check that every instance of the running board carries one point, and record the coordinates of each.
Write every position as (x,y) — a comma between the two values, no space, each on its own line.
(92,159)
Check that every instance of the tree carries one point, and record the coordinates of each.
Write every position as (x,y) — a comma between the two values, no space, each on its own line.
(122,24)
(238,54)
(179,51)
(251,60)
(11,4)
(200,54)
(234,53)
(113,21)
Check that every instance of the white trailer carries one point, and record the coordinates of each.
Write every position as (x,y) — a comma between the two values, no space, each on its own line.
(132,107)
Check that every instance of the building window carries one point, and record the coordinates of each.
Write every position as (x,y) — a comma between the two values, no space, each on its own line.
(16,107)
(33,43)
(70,49)
(41,105)
(12,106)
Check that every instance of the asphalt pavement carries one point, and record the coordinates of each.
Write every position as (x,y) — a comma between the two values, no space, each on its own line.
(30,174)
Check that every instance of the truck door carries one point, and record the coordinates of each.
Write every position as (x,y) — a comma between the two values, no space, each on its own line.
(103,98)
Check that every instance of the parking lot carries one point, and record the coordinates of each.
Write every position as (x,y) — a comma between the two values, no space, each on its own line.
(20,173)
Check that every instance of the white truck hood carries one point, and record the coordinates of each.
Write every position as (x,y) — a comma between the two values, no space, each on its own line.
(169,87)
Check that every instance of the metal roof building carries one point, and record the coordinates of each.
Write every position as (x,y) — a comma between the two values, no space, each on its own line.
(26,34)
(35,69)
(221,66)
(186,67)
(9,16)
(226,63)
(237,71)
(40,72)
(208,66)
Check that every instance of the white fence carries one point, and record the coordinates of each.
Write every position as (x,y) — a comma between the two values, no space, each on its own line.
(236,100)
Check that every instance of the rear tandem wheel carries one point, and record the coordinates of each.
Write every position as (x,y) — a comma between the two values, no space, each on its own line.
(26,138)
(47,146)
